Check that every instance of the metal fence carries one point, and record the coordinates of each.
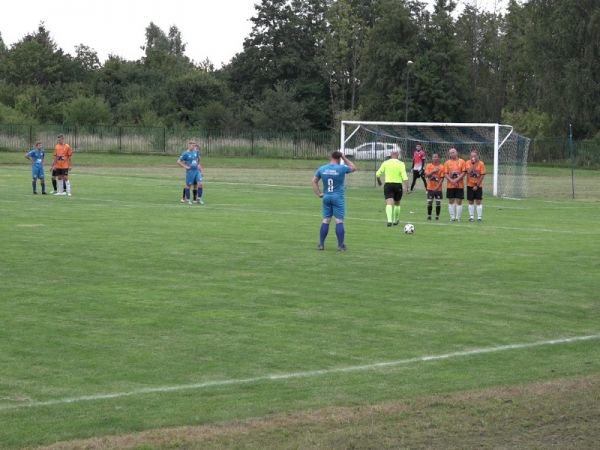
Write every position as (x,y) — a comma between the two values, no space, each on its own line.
(146,140)
(302,145)
(566,153)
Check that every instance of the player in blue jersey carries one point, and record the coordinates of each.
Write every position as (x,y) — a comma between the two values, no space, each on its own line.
(190,161)
(36,156)
(333,176)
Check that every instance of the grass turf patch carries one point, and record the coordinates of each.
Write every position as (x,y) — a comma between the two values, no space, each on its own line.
(120,288)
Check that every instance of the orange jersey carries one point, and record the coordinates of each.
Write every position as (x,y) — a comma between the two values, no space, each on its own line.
(475,172)
(454,168)
(435,176)
(62,156)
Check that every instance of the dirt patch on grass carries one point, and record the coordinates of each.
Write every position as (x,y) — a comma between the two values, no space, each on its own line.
(559,414)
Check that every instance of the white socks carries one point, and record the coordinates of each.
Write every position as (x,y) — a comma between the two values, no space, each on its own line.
(452,211)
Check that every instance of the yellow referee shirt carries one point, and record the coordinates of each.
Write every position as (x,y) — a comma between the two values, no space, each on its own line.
(394,171)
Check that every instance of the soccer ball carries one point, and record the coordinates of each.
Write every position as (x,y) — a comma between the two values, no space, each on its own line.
(409,228)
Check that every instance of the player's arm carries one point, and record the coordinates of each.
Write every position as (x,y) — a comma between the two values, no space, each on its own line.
(404,179)
(447,174)
(349,163)
(380,172)
(182,164)
(463,174)
(481,176)
(479,181)
(429,173)
(441,174)
(27,156)
(315,186)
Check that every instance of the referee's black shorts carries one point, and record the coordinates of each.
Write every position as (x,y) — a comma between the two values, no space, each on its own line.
(393,190)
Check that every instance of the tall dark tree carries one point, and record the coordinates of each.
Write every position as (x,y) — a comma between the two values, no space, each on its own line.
(87,58)
(340,60)
(552,57)
(3,48)
(391,43)
(176,44)
(283,47)
(36,60)
(480,34)
(441,72)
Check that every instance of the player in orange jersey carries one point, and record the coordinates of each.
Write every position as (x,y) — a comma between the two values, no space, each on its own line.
(434,174)
(455,184)
(475,174)
(61,164)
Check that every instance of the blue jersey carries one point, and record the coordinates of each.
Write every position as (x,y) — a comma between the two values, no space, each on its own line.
(37,156)
(333,176)
(191,158)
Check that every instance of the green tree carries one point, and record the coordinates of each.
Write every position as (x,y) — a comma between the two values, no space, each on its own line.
(36,60)
(480,34)
(87,58)
(391,43)
(552,59)
(441,72)
(280,111)
(283,47)
(340,58)
(33,103)
(214,116)
(11,115)
(3,48)
(187,95)
(176,44)
(164,52)
(87,111)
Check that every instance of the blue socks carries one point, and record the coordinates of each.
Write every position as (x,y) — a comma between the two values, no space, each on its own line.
(323,233)
(339,232)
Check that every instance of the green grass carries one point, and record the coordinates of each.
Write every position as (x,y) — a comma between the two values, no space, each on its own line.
(121,288)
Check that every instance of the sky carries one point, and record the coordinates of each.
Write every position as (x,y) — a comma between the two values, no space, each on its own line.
(213,29)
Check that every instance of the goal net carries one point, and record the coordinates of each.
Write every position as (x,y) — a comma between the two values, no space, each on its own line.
(502,150)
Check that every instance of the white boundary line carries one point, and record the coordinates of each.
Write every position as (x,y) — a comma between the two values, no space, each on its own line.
(290,375)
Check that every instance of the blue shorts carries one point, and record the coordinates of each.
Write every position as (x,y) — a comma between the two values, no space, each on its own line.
(37,172)
(333,206)
(193,177)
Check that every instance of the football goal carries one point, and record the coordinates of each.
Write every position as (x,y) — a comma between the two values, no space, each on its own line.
(503,150)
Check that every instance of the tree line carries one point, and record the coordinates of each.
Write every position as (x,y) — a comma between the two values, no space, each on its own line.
(306,64)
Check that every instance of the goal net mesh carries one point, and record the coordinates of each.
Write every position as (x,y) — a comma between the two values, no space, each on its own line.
(370,144)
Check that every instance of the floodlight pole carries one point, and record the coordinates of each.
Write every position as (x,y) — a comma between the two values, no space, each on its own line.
(408,63)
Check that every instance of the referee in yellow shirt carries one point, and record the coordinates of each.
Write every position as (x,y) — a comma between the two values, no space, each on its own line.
(396,182)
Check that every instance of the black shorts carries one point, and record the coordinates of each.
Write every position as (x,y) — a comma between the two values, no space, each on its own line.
(434,194)
(452,193)
(474,195)
(60,172)
(393,190)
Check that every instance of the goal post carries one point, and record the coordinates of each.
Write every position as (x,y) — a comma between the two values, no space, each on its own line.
(501,148)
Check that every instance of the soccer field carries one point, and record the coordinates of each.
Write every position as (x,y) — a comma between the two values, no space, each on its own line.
(123,310)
